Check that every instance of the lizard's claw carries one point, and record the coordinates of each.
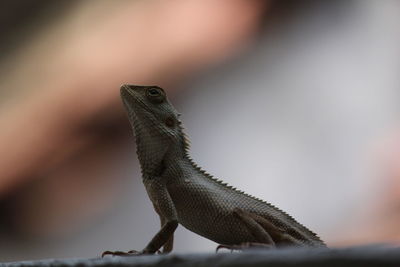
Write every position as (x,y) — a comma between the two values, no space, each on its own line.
(126,254)
(244,246)
(122,253)
(223,246)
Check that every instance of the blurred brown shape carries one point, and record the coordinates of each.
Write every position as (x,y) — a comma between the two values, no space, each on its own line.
(61,98)
(73,73)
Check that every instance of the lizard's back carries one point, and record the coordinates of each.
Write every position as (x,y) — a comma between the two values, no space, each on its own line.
(206,206)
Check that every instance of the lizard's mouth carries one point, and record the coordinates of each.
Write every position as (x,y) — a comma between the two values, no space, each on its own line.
(127,91)
(131,98)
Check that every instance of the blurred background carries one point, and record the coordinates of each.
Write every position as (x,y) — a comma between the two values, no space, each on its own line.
(296,102)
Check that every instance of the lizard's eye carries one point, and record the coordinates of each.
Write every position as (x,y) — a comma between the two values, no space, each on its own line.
(155,95)
(153,92)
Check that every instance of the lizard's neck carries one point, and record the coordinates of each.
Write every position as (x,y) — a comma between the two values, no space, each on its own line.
(150,151)
(157,154)
(177,150)
(175,154)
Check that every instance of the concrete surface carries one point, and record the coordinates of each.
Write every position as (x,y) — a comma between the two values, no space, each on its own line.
(357,256)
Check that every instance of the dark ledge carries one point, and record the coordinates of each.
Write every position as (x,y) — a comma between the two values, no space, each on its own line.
(358,256)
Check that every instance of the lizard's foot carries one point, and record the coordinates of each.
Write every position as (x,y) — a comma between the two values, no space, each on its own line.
(244,246)
(125,254)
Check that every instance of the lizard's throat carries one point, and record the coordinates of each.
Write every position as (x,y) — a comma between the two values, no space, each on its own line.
(151,149)
(155,149)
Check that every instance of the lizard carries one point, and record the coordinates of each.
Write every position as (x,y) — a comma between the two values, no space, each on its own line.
(183,193)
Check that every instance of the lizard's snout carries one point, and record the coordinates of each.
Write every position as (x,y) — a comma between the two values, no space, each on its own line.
(129,90)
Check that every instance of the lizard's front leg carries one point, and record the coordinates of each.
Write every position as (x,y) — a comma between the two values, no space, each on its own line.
(164,206)
(168,246)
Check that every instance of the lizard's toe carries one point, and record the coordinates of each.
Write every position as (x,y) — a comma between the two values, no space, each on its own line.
(224,246)
(244,246)
(122,253)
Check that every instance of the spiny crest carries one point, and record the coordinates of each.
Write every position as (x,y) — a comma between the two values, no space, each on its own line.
(211,177)
(185,138)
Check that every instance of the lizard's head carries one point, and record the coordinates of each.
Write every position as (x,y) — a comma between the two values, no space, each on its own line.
(149,108)
(154,119)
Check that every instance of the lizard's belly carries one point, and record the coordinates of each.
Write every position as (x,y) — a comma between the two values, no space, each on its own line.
(210,214)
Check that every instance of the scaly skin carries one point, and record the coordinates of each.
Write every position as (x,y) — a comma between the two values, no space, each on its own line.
(182,193)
